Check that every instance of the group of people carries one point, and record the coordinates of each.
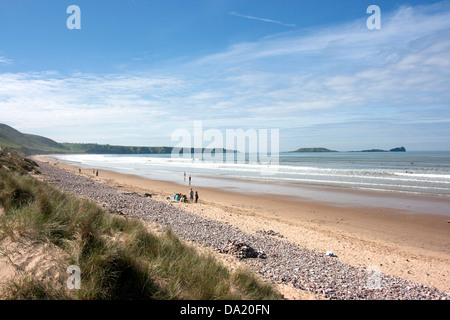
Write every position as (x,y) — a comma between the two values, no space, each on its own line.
(182,197)
(192,195)
(93,171)
(96,172)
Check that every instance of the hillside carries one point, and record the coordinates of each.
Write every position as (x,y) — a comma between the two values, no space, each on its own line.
(94,148)
(34,144)
(28,143)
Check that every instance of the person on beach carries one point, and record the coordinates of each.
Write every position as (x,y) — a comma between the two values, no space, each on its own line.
(196,196)
(191,195)
(185,176)
(189,179)
(96,173)
(79,170)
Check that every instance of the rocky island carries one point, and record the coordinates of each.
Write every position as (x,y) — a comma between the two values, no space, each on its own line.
(314,150)
(397,149)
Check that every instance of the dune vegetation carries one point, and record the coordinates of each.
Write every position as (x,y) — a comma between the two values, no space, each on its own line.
(119,258)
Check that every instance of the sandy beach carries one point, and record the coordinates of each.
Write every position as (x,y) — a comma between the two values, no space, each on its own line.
(415,247)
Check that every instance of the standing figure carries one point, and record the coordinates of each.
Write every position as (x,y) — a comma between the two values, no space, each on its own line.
(196,196)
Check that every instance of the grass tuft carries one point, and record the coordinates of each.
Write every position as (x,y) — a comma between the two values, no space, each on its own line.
(118,257)
(31,288)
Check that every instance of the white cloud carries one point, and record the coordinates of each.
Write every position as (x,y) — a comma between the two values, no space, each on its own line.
(349,64)
(331,75)
(41,100)
(5,61)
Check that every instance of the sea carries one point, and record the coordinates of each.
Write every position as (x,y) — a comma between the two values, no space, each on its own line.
(413,181)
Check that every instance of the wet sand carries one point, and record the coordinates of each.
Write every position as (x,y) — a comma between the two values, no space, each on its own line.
(412,246)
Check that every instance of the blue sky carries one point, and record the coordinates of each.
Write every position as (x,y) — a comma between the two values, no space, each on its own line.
(138,70)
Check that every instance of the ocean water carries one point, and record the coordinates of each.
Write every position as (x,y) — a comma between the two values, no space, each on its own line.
(307,175)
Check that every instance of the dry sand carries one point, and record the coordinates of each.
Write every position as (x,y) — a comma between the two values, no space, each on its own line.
(24,257)
(411,246)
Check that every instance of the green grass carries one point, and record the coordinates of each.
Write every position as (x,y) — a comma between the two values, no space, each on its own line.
(30,288)
(13,160)
(28,143)
(34,144)
(118,257)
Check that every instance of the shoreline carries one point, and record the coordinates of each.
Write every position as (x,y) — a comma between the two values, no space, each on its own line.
(411,246)
(398,201)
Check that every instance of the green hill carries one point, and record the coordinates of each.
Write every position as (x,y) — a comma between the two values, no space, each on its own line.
(94,148)
(28,143)
(34,144)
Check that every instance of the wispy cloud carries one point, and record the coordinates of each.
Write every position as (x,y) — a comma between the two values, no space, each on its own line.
(359,82)
(5,61)
(233,13)
(85,103)
(404,65)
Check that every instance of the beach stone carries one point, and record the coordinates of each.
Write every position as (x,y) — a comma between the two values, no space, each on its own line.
(242,250)
(270,233)
(276,259)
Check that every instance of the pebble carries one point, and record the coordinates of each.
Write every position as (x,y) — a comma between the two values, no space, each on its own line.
(269,255)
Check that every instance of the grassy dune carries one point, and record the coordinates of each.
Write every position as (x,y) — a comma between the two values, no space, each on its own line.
(118,257)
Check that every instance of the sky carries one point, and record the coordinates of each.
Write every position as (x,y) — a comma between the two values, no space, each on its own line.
(138,70)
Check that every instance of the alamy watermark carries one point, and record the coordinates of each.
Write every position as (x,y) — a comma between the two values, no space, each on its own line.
(74,21)
(374,21)
(250,146)
(74,280)
(373,278)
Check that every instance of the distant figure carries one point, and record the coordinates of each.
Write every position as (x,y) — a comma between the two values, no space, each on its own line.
(196,196)
(191,195)
(189,179)
(96,173)
(79,170)
(93,171)
(185,176)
